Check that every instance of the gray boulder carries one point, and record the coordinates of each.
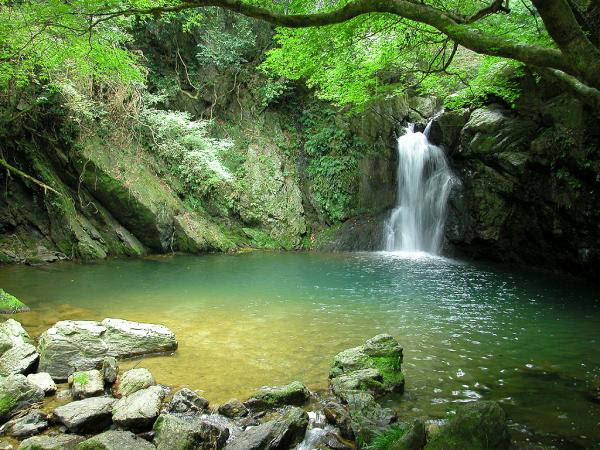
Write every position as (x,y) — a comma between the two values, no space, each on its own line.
(189,433)
(90,415)
(58,442)
(233,409)
(139,410)
(89,383)
(110,369)
(44,381)
(34,422)
(115,440)
(16,394)
(18,359)
(282,433)
(12,333)
(187,401)
(477,425)
(133,380)
(374,367)
(73,345)
(294,393)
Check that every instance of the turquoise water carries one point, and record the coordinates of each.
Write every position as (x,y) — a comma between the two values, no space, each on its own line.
(530,340)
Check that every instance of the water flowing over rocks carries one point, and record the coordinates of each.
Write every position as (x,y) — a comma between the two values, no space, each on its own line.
(82,345)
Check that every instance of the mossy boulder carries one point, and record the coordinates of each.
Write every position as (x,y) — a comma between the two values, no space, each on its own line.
(17,394)
(367,417)
(374,367)
(476,426)
(132,381)
(9,304)
(115,440)
(294,393)
(189,433)
(88,383)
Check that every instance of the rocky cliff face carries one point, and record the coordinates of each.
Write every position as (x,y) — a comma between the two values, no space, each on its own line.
(529,182)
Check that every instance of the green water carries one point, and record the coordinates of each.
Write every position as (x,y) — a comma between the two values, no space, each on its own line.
(470,331)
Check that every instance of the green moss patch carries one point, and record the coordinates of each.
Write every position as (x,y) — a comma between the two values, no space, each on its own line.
(9,304)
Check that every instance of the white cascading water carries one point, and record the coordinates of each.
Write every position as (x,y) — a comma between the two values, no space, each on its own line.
(416,224)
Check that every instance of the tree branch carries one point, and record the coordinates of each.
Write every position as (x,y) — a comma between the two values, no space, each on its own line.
(27,177)
(496,6)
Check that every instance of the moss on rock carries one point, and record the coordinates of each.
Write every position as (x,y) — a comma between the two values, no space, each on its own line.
(9,304)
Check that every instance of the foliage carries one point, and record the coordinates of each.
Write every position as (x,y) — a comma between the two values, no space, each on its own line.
(183,143)
(387,438)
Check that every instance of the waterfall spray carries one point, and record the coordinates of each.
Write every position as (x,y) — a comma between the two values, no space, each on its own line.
(416,224)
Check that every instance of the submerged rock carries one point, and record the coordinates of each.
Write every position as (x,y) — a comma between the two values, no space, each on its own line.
(9,304)
(44,381)
(16,394)
(190,433)
(374,367)
(233,409)
(294,393)
(89,383)
(139,410)
(115,440)
(284,432)
(90,415)
(476,425)
(187,401)
(73,345)
(33,422)
(58,442)
(19,359)
(133,380)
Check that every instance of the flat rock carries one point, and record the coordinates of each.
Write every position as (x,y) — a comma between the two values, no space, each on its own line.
(294,393)
(189,433)
(58,442)
(115,440)
(44,381)
(88,383)
(187,401)
(18,359)
(16,394)
(284,432)
(90,415)
(73,345)
(34,422)
(110,369)
(374,367)
(133,380)
(139,410)
(233,409)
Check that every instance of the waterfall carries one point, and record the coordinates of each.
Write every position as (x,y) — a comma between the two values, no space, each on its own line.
(416,224)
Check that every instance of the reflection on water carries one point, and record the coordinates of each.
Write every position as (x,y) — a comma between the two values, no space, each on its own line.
(469,331)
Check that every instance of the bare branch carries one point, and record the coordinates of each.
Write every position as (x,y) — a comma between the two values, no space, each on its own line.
(27,177)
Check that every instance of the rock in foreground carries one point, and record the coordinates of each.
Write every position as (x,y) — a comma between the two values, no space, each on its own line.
(132,381)
(374,367)
(72,345)
(115,440)
(89,383)
(59,442)
(476,425)
(16,394)
(199,433)
(139,410)
(44,381)
(91,415)
(18,359)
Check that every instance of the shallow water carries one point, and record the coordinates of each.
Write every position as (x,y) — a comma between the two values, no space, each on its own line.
(530,340)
